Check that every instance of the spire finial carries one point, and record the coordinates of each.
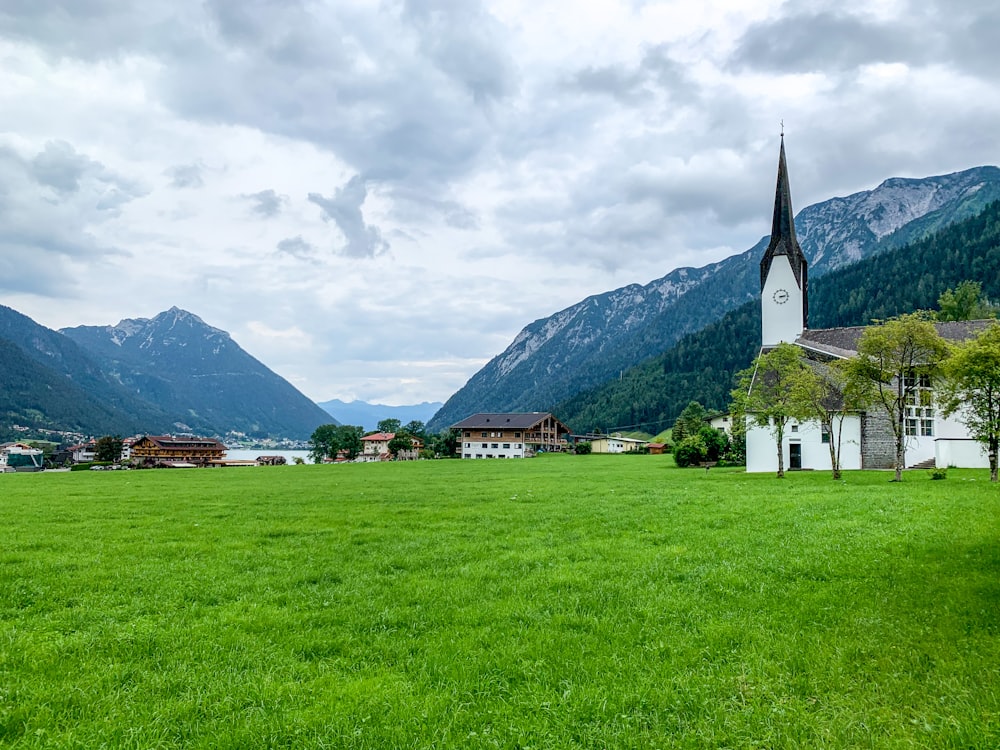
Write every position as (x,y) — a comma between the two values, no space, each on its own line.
(782,128)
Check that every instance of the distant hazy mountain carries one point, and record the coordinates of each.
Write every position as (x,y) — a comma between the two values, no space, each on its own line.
(593,341)
(369,415)
(198,376)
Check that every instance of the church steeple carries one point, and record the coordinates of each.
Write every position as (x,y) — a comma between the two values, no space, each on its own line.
(783,269)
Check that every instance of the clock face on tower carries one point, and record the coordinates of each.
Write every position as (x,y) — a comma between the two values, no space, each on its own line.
(780,296)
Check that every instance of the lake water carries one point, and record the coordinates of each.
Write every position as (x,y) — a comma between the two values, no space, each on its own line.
(241,454)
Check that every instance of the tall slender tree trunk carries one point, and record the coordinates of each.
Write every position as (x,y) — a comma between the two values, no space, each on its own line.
(835,448)
(900,430)
(994,445)
(780,433)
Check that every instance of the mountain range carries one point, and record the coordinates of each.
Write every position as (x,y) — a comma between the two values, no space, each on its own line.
(592,342)
(702,365)
(170,373)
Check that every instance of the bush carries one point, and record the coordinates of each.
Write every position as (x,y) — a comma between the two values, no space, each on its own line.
(690,451)
(716,442)
(938,473)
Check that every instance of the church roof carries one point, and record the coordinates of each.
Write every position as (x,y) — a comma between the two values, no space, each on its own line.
(843,342)
(783,240)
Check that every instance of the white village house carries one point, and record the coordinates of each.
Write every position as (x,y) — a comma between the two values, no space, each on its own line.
(867,441)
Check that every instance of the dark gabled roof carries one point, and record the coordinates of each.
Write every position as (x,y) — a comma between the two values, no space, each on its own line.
(962,330)
(838,342)
(843,342)
(517,421)
(783,239)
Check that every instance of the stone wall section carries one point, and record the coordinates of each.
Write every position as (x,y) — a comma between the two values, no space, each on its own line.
(878,444)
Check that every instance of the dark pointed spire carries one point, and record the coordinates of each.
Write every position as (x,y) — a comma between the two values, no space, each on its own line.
(783,240)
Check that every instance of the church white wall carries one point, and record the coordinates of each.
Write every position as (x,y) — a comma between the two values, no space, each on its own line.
(762,456)
(964,453)
(780,321)
(920,448)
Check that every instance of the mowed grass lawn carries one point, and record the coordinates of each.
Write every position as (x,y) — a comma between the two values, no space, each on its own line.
(593,601)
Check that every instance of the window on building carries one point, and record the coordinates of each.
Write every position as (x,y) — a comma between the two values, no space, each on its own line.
(824,434)
(919,406)
(468,434)
(507,446)
(485,445)
(795,428)
(483,435)
(494,445)
(517,434)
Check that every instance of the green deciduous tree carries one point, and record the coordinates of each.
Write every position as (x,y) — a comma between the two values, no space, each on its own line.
(965,302)
(401,441)
(689,422)
(329,439)
(971,388)
(349,437)
(445,443)
(894,357)
(823,392)
(108,448)
(389,425)
(323,443)
(416,428)
(764,393)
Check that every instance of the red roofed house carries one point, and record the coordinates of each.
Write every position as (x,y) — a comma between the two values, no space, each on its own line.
(376,448)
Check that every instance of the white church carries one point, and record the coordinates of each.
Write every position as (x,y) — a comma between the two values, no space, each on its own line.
(867,441)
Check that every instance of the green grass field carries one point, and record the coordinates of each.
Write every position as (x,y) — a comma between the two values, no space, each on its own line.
(558,602)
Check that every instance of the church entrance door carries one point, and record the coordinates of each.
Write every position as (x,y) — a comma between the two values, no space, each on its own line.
(795,455)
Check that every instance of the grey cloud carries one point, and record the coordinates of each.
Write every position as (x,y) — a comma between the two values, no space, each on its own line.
(297,248)
(344,210)
(823,41)
(266,204)
(656,71)
(615,81)
(59,166)
(93,29)
(465,43)
(42,232)
(389,97)
(402,93)
(186,176)
(414,206)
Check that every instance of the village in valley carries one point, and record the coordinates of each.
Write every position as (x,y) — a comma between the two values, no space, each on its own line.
(813,399)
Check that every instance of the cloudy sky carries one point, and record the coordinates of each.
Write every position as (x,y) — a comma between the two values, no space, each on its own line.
(374,197)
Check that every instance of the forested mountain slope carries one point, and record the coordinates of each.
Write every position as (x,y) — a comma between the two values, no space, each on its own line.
(554,358)
(48,382)
(701,365)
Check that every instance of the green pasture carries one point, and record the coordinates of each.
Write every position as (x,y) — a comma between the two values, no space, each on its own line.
(557,602)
